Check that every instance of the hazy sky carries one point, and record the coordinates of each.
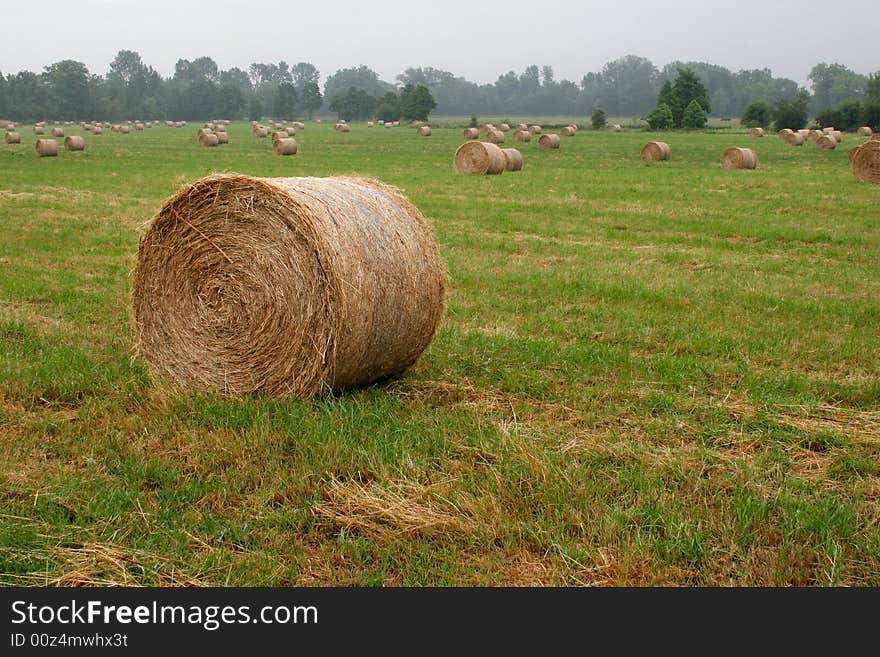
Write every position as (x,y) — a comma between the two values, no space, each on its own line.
(476,40)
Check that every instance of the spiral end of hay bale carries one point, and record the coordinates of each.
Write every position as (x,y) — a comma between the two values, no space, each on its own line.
(285,146)
(513,159)
(739,158)
(74,143)
(826,142)
(865,162)
(549,141)
(479,158)
(656,151)
(46,147)
(290,286)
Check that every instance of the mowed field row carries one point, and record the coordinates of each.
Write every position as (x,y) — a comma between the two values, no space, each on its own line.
(659,373)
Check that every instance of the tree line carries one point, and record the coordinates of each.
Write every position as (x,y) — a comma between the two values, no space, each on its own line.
(198,89)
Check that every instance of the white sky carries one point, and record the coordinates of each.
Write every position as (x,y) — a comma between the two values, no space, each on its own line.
(476,40)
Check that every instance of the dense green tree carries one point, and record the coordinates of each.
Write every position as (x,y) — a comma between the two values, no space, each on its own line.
(694,116)
(68,85)
(627,85)
(311,98)
(353,105)
(661,117)
(833,84)
(668,97)
(792,112)
(598,118)
(304,73)
(362,77)
(688,88)
(255,109)
(388,107)
(758,114)
(846,116)
(286,100)
(416,103)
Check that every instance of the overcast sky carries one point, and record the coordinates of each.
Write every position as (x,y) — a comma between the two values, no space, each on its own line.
(476,40)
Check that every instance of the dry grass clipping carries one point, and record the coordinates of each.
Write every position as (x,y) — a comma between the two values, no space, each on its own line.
(292,286)
(478,158)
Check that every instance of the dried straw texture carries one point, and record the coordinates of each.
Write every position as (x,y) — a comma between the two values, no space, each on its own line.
(47,147)
(13,137)
(568,131)
(522,135)
(209,139)
(794,139)
(866,162)
(292,286)
(38,130)
(838,135)
(260,132)
(535,129)
(616,128)
(495,137)
(513,158)
(299,125)
(222,137)
(655,151)
(757,132)
(285,146)
(425,131)
(477,157)
(57,132)
(74,143)
(97,130)
(784,132)
(826,142)
(279,134)
(865,131)
(739,158)
(549,141)
(471,133)
(504,127)
(815,135)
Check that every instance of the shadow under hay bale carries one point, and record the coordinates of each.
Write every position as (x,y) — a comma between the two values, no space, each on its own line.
(347,288)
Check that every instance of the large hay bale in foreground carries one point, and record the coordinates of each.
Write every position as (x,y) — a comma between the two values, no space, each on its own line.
(209,139)
(471,133)
(46,147)
(478,158)
(549,141)
(522,135)
(826,142)
(865,131)
(513,159)
(289,286)
(285,146)
(757,132)
(424,131)
(74,143)
(794,139)
(13,137)
(865,161)
(739,158)
(656,151)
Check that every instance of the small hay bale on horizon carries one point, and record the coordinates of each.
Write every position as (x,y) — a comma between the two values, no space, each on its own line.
(424,131)
(522,136)
(568,131)
(757,132)
(208,139)
(471,133)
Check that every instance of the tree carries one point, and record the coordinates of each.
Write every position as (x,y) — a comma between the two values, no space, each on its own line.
(694,116)
(758,114)
(688,88)
(311,98)
(792,112)
(661,118)
(627,85)
(668,97)
(871,110)
(304,73)
(353,104)
(388,107)
(285,100)
(598,118)
(68,83)
(362,77)
(834,83)
(416,103)
(846,116)
(255,109)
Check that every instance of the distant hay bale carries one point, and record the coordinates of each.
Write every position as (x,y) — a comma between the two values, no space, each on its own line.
(865,162)
(341,127)
(395,123)
(513,159)
(57,132)
(794,139)
(784,133)
(370,124)
(39,130)
(279,134)
(815,135)
(299,125)
(74,143)
(865,131)
(178,124)
(568,131)
(169,124)
(97,130)
(222,137)
(209,139)
(616,128)
(260,132)
(47,147)
(522,126)
(826,142)
(123,130)
(756,132)
(804,132)
(424,131)
(739,158)
(13,137)
(210,315)
(284,146)
(838,135)
(656,151)
(522,135)
(535,129)
(291,131)
(205,131)
(138,126)
(495,137)
(219,127)
(549,141)
(828,129)
(389,124)
(504,127)
(479,158)
(471,133)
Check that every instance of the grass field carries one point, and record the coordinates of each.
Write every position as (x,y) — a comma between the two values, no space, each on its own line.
(648,374)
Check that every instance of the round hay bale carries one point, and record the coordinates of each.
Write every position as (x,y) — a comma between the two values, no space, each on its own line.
(260,132)
(739,158)
(655,151)
(74,143)
(568,131)
(288,286)
(479,158)
(522,126)
(299,125)
(424,131)
(169,124)
(205,131)
(389,124)
(178,124)
(814,135)
(535,129)
(495,137)
(616,128)
(13,137)
(804,132)
(97,130)
(513,159)
(47,147)
(757,132)
(866,162)
(370,124)
(341,127)
(291,131)
(279,134)
(284,146)
(39,130)
(522,135)
(124,130)
(785,132)
(219,127)
(865,131)
(549,141)
(209,139)
(222,137)
(794,139)
(57,132)
(138,126)
(395,123)
(828,130)
(838,135)
(471,133)
(504,127)
(826,142)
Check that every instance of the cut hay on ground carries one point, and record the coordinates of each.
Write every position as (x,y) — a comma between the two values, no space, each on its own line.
(471,133)
(739,158)
(424,131)
(74,143)
(478,158)
(757,132)
(290,286)
(47,147)
(513,159)
(284,146)
(865,162)
(13,137)
(656,151)
(549,141)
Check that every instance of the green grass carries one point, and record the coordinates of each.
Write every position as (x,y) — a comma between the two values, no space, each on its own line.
(648,374)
